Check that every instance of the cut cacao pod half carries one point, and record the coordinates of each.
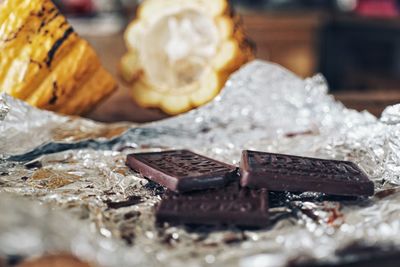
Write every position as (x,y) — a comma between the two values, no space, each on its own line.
(181,52)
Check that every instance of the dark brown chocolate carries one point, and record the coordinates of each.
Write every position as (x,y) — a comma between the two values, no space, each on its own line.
(182,170)
(231,205)
(356,256)
(132,200)
(278,172)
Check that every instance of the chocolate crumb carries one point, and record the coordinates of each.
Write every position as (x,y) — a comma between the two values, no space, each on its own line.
(133,200)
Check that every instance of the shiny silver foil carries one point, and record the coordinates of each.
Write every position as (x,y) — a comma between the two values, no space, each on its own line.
(64,185)
(3,109)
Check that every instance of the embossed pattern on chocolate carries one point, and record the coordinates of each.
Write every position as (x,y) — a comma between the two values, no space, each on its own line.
(231,205)
(279,172)
(182,170)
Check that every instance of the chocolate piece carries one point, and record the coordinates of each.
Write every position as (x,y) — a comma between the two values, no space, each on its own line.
(356,255)
(279,172)
(182,170)
(132,200)
(231,205)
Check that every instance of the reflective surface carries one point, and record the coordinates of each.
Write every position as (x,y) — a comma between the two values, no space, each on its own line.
(76,169)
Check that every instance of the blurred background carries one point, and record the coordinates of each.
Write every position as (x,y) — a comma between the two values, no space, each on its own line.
(355,44)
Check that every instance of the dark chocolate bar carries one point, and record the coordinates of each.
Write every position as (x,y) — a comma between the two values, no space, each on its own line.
(278,172)
(231,205)
(182,170)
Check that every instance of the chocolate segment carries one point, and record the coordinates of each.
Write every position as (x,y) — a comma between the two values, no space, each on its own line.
(356,255)
(182,170)
(231,205)
(279,172)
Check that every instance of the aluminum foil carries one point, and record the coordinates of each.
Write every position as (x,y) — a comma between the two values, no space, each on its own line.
(3,109)
(64,185)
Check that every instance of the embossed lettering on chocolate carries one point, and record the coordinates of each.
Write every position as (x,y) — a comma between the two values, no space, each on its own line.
(182,170)
(231,205)
(278,172)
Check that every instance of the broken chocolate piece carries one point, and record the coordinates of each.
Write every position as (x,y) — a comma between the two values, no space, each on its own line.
(355,255)
(182,170)
(279,172)
(131,201)
(231,205)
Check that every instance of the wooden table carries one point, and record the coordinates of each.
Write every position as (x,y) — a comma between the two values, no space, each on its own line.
(120,106)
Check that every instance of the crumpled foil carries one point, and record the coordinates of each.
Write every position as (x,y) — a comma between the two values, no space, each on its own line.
(3,109)
(64,185)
